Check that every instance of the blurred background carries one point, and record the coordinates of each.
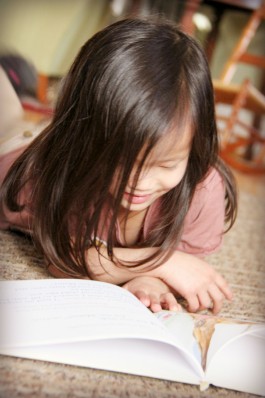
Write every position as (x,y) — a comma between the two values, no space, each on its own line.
(39,40)
(49,33)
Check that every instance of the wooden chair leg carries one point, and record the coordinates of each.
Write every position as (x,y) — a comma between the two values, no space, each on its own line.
(238,104)
(234,147)
(43,84)
(240,53)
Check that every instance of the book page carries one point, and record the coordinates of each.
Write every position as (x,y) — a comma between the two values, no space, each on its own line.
(225,331)
(194,331)
(232,352)
(181,325)
(51,311)
(237,357)
(134,356)
(88,323)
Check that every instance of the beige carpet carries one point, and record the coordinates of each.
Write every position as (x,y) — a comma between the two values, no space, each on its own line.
(241,260)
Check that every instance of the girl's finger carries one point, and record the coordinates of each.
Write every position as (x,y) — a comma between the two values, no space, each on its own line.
(193,303)
(205,300)
(169,302)
(224,287)
(217,298)
(155,304)
(143,297)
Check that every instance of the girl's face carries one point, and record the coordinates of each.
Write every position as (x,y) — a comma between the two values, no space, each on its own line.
(162,171)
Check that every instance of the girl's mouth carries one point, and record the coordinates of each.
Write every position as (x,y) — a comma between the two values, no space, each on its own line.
(136,199)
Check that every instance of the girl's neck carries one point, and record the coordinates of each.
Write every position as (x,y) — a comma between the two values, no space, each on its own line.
(132,227)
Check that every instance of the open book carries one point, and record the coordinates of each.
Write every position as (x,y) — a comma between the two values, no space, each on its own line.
(103,326)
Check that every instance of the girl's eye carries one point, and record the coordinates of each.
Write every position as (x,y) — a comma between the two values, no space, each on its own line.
(169,167)
(172,166)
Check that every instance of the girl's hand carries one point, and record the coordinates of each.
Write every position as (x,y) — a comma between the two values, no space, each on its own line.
(153,293)
(183,274)
(196,281)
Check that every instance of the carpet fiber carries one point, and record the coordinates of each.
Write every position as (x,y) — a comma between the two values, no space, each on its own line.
(241,261)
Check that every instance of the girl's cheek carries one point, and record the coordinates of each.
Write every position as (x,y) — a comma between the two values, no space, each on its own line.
(177,177)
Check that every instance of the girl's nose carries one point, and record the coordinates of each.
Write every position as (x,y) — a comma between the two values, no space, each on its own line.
(144,180)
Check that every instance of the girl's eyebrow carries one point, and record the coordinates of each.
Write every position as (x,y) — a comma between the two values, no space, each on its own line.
(179,155)
(172,159)
(165,160)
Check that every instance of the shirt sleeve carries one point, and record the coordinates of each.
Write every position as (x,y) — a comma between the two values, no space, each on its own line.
(204,224)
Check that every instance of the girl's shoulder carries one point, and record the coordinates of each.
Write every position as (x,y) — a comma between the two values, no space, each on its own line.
(208,198)
(212,180)
(204,222)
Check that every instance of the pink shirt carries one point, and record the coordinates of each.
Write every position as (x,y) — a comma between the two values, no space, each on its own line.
(203,226)
(204,222)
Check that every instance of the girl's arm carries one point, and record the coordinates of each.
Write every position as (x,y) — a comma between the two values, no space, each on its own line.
(192,278)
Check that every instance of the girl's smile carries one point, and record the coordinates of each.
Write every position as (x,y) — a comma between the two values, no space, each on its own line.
(136,199)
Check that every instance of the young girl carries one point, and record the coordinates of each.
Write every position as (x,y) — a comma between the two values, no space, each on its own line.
(125,184)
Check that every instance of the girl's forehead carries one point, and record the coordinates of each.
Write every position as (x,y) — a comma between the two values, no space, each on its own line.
(173,144)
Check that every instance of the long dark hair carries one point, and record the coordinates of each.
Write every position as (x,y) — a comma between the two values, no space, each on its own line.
(124,89)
